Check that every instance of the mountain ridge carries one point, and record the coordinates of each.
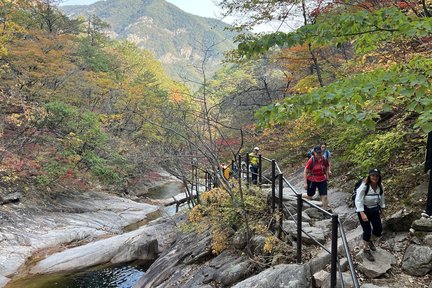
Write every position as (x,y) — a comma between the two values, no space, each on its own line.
(177,38)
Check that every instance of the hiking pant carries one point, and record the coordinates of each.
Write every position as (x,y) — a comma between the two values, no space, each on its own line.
(254,172)
(374,220)
(312,186)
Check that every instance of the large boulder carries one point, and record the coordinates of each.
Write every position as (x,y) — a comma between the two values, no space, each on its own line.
(283,275)
(401,221)
(417,260)
(383,262)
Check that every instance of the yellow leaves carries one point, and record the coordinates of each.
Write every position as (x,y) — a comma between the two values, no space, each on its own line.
(10,178)
(219,240)
(269,244)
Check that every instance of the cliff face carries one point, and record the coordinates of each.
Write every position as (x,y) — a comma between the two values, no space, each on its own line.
(178,39)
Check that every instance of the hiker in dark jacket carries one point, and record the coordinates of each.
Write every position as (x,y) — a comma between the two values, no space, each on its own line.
(369,203)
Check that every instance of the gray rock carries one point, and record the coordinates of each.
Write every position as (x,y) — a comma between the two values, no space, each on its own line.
(10,197)
(347,281)
(313,213)
(314,233)
(319,277)
(417,260)
(284,275)
(140,244)
(3,281)
(428,240)
(383,262)
(422,224)
(401,221)
(25,229)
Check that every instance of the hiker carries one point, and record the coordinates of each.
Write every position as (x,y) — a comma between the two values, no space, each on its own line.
(243,169)
(225,171)
(369,202)
(253,162)
(316,174)
(326,154)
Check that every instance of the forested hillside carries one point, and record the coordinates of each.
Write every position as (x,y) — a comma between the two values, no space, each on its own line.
(76,107)
(181,41)
(357,75)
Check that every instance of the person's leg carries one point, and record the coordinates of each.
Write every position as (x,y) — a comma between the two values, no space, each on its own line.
(375,220)
(322,189)
(254,171)
(311,188)
(367,232)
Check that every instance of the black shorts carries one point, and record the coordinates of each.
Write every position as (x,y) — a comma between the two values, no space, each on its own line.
(311,188)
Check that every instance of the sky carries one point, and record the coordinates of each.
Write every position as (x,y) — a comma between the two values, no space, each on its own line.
(204,8)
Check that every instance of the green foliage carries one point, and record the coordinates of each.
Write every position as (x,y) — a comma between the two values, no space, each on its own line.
(376,150)
(358,99)
(368,29)
(94,58)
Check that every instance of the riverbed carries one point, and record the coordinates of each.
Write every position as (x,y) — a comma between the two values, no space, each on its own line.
(119,276)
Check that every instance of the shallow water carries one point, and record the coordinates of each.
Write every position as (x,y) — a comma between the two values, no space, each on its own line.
(124,276)
(121,276)
(166,191)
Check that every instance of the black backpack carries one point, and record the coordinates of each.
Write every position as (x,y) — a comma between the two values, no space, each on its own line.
(354,191)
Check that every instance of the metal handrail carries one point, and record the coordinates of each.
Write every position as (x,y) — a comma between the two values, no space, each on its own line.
(339,225)
(336,223)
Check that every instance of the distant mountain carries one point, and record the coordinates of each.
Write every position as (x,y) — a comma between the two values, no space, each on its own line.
(177,38)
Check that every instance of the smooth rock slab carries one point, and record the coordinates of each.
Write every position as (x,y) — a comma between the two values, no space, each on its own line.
(139,244)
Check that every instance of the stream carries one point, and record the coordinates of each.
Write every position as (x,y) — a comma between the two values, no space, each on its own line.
(119,276)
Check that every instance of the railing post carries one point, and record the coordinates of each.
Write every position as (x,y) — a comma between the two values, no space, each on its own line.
(280,208)
(239,170)
(196,185)
(334,252)
(259,170)
(192,182)
(206,180)
(273,177)
(299,227)
(247,169)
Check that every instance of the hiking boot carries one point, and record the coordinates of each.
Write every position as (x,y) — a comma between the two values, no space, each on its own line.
(372,246)
(368,254)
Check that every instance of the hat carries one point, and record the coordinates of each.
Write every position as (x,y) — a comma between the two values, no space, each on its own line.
(317,149)
(374,171)
(256,148)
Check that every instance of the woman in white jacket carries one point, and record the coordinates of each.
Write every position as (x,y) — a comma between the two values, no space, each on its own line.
(369,203)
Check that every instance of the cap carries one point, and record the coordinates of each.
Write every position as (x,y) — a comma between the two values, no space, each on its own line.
(256,148)
(317,149)
(374,171)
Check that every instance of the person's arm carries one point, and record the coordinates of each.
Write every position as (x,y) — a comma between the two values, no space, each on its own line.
(359,201)
(327,169)
(307,171)
(328,161)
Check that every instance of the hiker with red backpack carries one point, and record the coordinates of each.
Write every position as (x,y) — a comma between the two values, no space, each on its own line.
(369,202)
(316,174)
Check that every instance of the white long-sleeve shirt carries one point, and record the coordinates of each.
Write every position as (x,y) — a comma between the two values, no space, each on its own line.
(371,199)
